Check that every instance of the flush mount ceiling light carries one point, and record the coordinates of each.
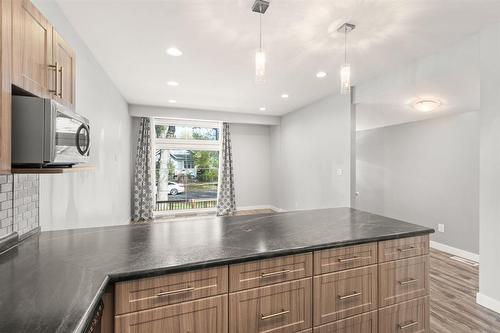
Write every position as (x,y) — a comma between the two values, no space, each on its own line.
(173,51)
(260,6)
(262,108)
(173,83)
(173,101)
(345,69)
(321,74)
(284,96)
(426,105)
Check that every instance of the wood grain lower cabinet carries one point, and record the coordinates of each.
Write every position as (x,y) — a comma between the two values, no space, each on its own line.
(147,293)
(344,294)
(280,308)
(269,271)
(401,248)
(365,323)
(403,280)
(368,288)
(207,315)
(342,258)
(407,317)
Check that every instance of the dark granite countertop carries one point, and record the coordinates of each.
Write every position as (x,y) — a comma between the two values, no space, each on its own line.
(52,281)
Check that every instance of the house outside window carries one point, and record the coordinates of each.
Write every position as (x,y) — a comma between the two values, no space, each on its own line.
(186,163)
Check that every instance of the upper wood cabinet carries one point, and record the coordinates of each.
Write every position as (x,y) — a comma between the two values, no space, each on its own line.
(43,64)
(64,62)
(31,48)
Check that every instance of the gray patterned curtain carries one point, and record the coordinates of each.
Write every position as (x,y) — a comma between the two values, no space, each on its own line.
(143,179)
(226,203)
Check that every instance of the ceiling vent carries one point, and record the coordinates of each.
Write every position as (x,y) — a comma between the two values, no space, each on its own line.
(260,6)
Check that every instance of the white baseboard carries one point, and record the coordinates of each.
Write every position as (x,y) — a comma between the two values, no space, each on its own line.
(488,302)
(455,251)
(254,207)
(276,209)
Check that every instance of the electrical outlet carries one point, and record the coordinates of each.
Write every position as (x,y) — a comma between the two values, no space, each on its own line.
(441,227)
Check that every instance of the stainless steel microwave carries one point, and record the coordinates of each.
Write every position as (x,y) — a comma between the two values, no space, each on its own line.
(46,133)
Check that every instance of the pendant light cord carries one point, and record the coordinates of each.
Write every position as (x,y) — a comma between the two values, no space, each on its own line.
(345,45)
(260,28)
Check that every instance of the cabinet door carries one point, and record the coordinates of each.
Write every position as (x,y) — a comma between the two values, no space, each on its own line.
(31,48)
(407,317)
(403,280)
(208,315)
(344,294)
(279,308)
(64,60)
(364,323)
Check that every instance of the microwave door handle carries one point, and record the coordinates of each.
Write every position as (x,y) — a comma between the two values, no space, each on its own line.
(87,147)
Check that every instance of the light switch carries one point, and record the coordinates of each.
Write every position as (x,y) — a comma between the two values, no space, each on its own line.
(339,172)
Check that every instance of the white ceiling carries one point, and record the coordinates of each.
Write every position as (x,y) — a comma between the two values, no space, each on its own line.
(219,39)
(451,76)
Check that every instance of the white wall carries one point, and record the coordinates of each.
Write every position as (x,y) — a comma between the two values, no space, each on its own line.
(252,165)
(100,197)
(424,172)
(489,212)
(307,148)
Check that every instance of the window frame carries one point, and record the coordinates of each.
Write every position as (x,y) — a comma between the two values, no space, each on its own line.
(187,144)
(183,144)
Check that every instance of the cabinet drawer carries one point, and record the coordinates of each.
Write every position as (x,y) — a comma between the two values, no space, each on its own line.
(344,294)
(403,248)
(365,323)
(403,280)
(269,271)
(408,317)
(207,315)
(168,289)
(280,308)
(333,260)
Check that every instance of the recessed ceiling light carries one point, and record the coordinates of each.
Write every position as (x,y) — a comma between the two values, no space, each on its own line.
(173,101)
(320,74)
(284,96)
(173,83)
(262,108)
(173,51)
(426,105)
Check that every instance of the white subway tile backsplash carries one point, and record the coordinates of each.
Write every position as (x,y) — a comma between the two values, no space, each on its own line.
(18,203)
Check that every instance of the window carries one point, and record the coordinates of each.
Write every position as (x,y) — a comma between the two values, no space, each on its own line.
(186,162)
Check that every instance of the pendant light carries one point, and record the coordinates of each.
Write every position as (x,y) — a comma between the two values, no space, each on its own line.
(345,68)
(260,6)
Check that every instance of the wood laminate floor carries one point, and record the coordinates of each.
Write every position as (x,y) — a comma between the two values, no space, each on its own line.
(453,298)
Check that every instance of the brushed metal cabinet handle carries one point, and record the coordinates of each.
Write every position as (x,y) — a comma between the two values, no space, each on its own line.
(55,67)
(173,292)
(410,248)
(61,82)
(285,271)
(344,260)
(405,326)
(281,313)
(409,281)
(354,294)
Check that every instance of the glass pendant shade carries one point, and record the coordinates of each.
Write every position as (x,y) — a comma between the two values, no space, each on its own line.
(345,79)
(260,66)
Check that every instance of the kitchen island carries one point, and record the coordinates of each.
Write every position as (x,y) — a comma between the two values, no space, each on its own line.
(53,281)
